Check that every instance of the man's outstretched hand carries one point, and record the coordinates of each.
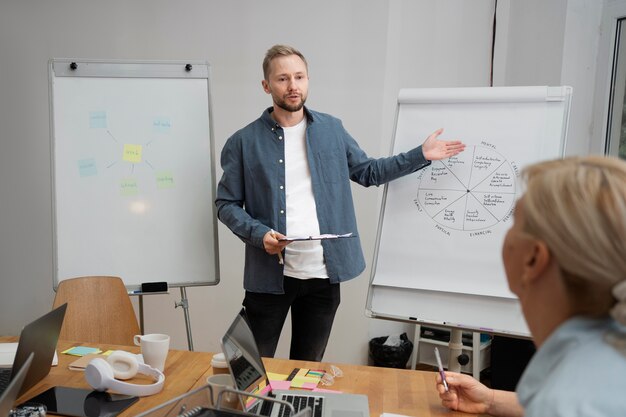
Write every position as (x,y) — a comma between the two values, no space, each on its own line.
(435,149)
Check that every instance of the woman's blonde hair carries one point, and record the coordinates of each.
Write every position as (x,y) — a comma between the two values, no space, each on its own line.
(578,207)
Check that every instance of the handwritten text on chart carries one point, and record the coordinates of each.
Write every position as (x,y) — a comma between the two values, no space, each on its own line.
(128,187)
(87,167)
(165,179)
(162,124)
(132,153)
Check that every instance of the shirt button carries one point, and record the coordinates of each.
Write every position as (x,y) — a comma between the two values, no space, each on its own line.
(280,137)
(281,187)
(280,161)
(282,212)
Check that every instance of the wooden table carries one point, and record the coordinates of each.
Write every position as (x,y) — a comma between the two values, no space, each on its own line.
(399,391)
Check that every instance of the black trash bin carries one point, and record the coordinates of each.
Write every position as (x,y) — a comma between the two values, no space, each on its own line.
(390,356)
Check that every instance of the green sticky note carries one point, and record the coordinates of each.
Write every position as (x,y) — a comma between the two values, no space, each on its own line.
(128,187)
(165,179)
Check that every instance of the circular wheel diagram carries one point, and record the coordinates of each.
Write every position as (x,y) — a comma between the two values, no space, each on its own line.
(474,190)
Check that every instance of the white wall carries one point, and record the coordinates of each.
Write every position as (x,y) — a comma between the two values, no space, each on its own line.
(360,53)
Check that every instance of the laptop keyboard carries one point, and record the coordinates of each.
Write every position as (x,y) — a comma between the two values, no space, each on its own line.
(301,402)
(5,379)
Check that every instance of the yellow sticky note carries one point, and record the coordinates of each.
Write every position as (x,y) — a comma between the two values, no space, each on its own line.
(132,153)
(276,377)
(301,381)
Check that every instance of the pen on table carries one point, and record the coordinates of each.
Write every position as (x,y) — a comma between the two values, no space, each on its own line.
(280,254)
(440,366)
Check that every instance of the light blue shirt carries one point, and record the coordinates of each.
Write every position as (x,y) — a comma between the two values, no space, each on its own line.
(576,373)
(251,194)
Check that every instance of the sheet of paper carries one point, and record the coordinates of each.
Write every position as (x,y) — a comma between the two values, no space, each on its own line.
(7,355)
(315,237)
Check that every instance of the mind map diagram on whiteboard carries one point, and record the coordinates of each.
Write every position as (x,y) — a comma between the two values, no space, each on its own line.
(129,153)
(470,192)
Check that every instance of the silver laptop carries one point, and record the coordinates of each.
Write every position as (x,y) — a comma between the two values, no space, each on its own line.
(246,367)
(8,397)
(39,337)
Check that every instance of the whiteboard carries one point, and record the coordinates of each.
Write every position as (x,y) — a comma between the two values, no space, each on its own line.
(133,172)
(437,257)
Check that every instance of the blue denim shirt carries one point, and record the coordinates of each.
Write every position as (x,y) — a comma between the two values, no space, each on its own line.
(251,195)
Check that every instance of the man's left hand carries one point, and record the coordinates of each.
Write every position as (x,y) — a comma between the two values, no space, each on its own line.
(435,149)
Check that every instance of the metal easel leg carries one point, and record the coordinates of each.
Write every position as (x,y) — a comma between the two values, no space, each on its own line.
(140,300)
(184,303)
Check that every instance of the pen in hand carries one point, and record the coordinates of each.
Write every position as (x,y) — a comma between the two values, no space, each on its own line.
(441,372)
(280,254)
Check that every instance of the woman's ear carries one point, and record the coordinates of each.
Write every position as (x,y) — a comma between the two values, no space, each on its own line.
(537,260)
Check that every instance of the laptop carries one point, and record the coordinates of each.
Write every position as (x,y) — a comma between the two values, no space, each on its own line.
(8,397)
(39,337)
(248,372)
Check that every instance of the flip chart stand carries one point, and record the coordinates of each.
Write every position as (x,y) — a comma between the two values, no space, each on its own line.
(184,303)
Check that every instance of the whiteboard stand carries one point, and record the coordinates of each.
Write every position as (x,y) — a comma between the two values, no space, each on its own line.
(184,303)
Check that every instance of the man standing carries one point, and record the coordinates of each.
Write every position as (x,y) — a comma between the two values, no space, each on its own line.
(288,173)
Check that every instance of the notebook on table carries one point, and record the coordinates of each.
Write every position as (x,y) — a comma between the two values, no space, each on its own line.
(39,337)
(246,367)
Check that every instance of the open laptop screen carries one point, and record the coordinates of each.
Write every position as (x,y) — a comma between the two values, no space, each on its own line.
(243,357)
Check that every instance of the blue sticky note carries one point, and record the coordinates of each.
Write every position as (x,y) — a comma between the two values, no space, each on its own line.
(97,119)
(162,124)
(81,350)
(87,167)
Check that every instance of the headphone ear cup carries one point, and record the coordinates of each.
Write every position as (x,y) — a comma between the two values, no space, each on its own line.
(99,374)
(124,364)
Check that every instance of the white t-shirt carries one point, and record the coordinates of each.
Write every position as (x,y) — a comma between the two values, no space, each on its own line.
(303,259)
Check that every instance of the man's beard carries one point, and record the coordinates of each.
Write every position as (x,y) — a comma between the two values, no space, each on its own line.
(291,108)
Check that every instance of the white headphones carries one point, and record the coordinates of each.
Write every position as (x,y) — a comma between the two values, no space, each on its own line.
(101,374)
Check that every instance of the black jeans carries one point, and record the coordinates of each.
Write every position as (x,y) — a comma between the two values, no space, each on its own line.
(313,304)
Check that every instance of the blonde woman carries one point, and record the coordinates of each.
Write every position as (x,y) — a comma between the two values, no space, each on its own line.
(565,258)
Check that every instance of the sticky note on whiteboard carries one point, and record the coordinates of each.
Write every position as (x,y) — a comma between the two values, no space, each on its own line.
(165,179)
(128,187)
(97,119)
(87,167)
(132,153)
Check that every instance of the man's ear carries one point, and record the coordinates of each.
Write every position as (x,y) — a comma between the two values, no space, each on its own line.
(537,260)
(266,86)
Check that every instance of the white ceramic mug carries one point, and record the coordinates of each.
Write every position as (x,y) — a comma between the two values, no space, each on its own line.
(218,382)
(154,348)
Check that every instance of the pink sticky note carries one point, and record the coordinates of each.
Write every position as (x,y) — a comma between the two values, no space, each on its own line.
(283,385)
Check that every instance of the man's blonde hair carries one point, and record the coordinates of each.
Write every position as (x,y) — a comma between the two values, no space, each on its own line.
(577,206)
(280,50)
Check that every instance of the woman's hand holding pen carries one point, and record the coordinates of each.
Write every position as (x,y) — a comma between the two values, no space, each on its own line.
(273,246)
(464,393)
